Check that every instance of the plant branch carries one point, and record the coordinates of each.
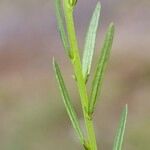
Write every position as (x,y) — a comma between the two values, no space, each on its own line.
(68,9)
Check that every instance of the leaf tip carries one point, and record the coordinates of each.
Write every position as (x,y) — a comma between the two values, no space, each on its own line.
(53,60)
(126,108)
(112,26)
(55,65)
(98,5)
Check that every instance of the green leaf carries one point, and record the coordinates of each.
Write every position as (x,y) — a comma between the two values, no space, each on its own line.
(121,129)
(61,27)
(67,101)
(90,42)
(101,66)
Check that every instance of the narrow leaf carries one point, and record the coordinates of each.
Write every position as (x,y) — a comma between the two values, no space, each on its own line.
(121,129)
(101,66)
(90,42)
(60,24)
(67,101)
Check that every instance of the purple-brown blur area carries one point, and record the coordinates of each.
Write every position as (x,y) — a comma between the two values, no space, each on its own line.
(32,114)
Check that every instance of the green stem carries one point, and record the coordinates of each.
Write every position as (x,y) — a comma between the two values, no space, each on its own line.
(68,9)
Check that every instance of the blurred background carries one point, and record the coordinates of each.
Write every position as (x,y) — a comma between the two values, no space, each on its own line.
(32,114)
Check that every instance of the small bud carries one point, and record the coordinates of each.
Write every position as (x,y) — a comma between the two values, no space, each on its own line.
(72,2)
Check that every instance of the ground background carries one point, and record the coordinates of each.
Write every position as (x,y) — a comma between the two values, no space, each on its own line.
(32,115)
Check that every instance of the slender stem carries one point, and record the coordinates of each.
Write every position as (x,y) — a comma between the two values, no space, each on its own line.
(79,76)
